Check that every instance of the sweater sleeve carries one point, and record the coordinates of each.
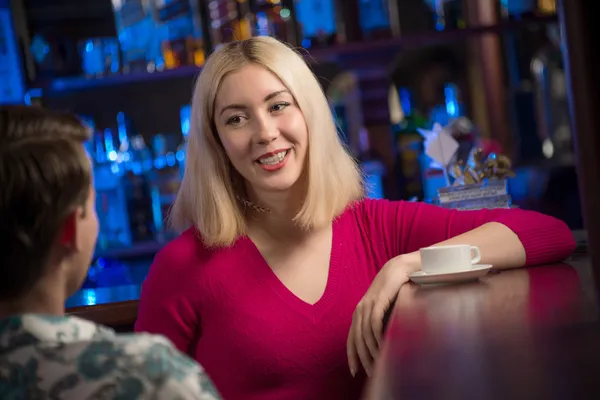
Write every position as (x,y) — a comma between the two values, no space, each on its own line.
(167,304)
(401,227)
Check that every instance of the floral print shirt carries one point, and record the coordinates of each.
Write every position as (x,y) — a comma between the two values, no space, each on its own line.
(61,357)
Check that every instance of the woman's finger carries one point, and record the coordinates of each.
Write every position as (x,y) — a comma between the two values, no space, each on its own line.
(359,342)
(376,320)
(367,330)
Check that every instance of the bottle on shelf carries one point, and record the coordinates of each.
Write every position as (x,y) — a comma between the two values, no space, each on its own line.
(447,14)
(230,20)
(182,41)
(165,182)
(374,17)
(371,165)
(452,108)
(137,32)
(89,145)
(317,22)
(111,203)
(124,157)
(517,9)
(184,116)
(547,7)
(409,147)
(550,90)
(274,18)
(136,181)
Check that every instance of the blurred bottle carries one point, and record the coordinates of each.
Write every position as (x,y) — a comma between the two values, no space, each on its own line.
(409,146)
(230,20)
(182,43)
(137,32)
(374,16)
(136,181)
(184,115)
(448,14)
(165,183)
(274,19)
(550,88)
(111,202)
(547,7)
(372,167)
(317,22)
(89,144)
(452,108)
(516,9)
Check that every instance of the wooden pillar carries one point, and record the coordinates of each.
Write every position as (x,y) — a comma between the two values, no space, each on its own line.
(486,52)
(583,86)
(348,20)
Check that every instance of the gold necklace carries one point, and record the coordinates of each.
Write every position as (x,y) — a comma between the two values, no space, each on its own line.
(253,206)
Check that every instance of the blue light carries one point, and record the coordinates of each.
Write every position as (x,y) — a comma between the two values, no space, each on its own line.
(157,208)
(184,116)
(171,159)
(160,162)
(90,297)
(451,95)
(405,102)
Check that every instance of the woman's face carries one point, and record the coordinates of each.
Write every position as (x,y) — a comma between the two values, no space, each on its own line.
(262,129)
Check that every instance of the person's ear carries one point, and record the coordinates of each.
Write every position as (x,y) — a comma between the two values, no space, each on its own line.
(68,232)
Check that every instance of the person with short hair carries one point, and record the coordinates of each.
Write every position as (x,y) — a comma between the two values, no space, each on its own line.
(48,231)
(279,283)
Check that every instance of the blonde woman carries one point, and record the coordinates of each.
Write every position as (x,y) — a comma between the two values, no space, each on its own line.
(279,284)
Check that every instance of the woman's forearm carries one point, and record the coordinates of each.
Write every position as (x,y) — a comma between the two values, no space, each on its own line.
(499,246)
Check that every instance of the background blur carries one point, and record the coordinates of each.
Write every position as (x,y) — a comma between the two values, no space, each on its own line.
(492,69)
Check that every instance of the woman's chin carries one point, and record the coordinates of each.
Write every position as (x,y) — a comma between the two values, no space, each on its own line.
(276,184)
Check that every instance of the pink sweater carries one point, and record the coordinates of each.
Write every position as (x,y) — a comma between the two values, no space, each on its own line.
(258,341)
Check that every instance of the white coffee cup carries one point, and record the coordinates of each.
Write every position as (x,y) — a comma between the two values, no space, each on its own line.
(441,259)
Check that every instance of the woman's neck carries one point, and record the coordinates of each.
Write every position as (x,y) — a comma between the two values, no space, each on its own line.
(279,217)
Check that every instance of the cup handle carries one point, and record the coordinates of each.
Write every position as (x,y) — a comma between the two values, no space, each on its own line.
(477,253)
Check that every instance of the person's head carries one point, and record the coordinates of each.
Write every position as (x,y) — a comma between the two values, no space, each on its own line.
(261,125)
(48,222)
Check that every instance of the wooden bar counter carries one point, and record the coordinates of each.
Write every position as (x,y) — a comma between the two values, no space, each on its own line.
(110,294)
(528,333)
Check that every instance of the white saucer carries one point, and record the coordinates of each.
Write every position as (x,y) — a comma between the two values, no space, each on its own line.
(476,272)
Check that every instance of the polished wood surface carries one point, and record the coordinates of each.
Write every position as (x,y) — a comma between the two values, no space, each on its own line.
(521,334)
(110,293)
(580,53)
(120,316)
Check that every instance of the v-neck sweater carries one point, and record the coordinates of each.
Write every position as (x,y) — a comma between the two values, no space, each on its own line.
(226,308)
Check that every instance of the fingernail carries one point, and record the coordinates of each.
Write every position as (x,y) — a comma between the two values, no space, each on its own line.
(353,371)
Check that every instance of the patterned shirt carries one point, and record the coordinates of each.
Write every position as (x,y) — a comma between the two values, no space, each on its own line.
(61,357)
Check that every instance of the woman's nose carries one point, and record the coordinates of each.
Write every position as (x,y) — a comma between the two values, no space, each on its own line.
(267,131)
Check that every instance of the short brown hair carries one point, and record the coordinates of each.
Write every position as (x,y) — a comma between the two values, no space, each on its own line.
(44,175)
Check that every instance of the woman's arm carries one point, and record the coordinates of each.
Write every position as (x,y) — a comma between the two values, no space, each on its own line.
(499,246)
(167,303)
(507,238)
(397,230)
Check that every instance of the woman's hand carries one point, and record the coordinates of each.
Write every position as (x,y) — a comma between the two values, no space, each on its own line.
(365,333)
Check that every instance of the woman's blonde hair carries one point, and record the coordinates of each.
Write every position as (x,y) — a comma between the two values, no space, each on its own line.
(208,197)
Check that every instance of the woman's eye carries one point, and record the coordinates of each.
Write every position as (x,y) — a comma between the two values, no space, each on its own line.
(236,119)
(279,106)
